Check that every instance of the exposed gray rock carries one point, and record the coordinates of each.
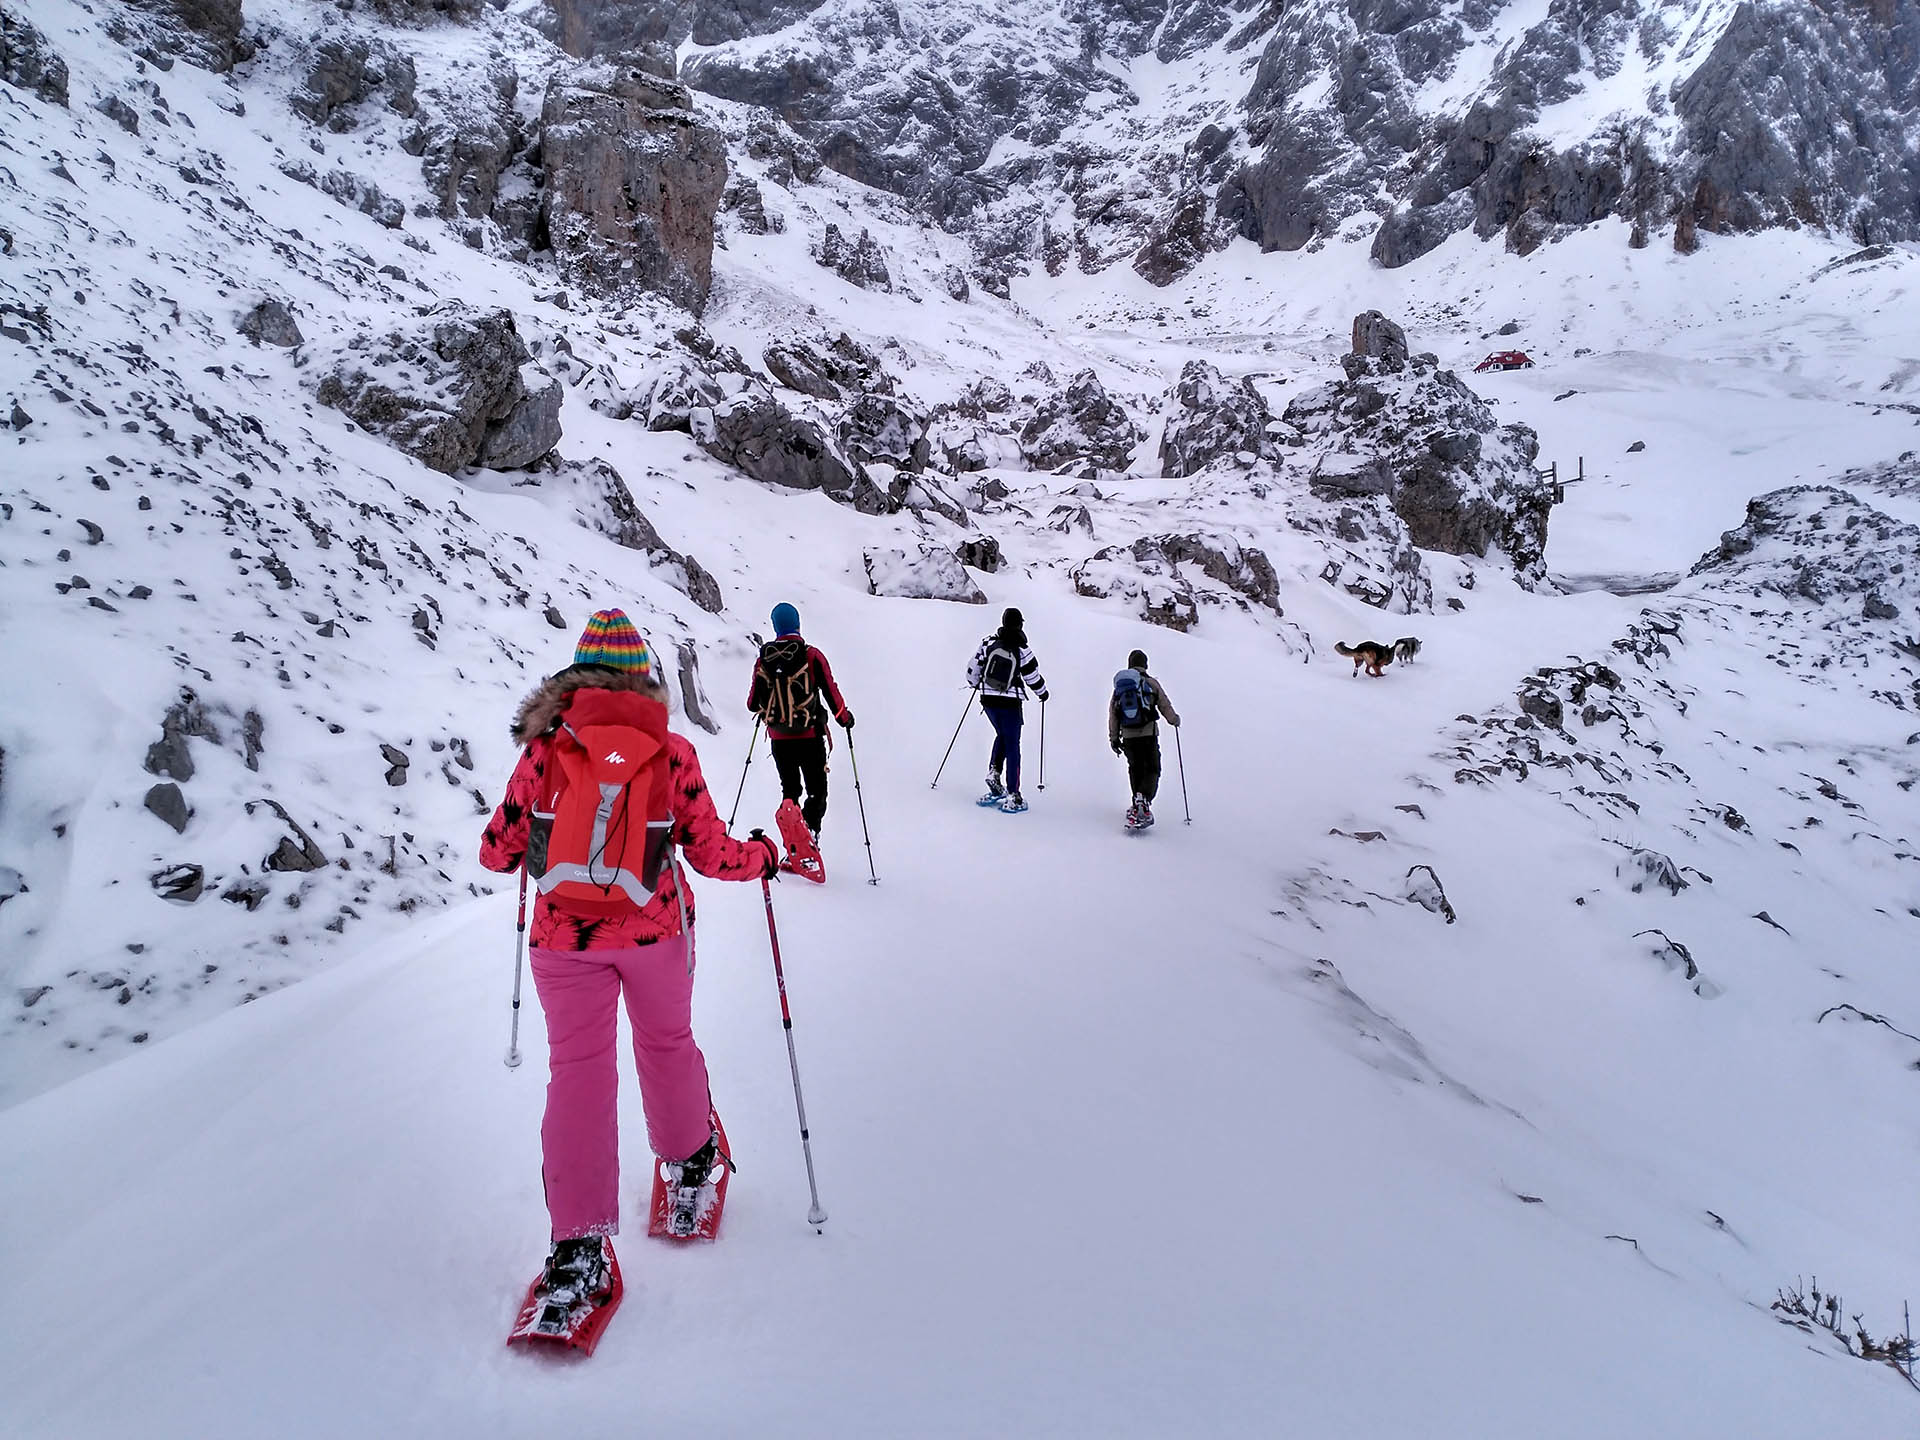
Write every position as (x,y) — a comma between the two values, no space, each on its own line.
(634,180)
(29,62)
(120,112)
(208,33)
(1213,418)
(759,436)
(980,553)
(398,762)
(361,194)
(440,389)
(614,27)
(926,572)
(1378,338)
(531,428)
(473,155)
(787,156)
(693,697)
(166,801)
(269,322)
(182,884)
(1343,472)
(748,207)
(344,69)
(186,718)
(954,281)
(858,262)
(828,370)
(1178,240)
(879,428)
(1081,422)
(1155,573)
(296,851)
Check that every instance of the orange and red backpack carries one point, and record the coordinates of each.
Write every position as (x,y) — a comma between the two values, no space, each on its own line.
(603,828)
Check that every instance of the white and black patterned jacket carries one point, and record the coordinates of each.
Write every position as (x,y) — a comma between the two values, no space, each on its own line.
(1026,677)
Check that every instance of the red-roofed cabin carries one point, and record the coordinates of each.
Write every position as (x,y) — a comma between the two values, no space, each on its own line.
(1505,360)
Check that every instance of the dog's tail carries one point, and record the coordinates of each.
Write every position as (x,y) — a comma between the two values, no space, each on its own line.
(1342,647)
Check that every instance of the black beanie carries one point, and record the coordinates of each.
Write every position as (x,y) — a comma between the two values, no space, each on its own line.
(1138,660)
(1011,619)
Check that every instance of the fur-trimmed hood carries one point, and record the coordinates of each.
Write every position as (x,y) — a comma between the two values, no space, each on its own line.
(540,712)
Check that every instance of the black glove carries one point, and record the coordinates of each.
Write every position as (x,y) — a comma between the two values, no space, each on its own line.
(847,719)
(773,853)
(1116,748)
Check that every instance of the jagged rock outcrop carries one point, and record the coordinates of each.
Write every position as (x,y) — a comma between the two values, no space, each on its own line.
(1378,338)
(208,33)
(1081,422)
(28,60)
(344,69)
(455,389)
(473,154)
(748,206)
(859,262)
(1781,115)
(756,434)
(926,572)
(270,323)
(1178,240)
(879,428)
(1462,482)
(1213,418)
(828,370)
(633,182)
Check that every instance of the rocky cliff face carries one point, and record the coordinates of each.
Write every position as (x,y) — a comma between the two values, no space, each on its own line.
(1396,123)
(633,181)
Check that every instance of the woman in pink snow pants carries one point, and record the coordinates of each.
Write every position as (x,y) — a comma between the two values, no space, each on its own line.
(585,965)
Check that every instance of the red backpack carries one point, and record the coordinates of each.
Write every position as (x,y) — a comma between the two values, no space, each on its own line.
(602,838)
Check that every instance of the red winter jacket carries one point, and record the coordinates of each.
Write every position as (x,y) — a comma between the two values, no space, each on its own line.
(697,832)
(823,687)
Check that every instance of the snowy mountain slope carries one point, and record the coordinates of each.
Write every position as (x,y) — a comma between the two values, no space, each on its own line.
(1085,1146)
(1160,1032)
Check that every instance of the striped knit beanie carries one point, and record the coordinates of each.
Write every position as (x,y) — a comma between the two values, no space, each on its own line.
(611,640)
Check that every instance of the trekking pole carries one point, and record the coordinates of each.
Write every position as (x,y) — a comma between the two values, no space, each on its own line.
(743,776)
(854,757)
(519,954)
(1043,746)
(1179,755)
(816,1216)
(956,736)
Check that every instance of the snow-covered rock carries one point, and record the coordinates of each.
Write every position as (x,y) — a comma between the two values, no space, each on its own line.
(756,434)
(1461,481)
(1080,422)
(926,572)
(29,62)
(1211,419)
(450,390)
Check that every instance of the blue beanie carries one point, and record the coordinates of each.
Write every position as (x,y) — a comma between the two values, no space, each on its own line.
(786,619)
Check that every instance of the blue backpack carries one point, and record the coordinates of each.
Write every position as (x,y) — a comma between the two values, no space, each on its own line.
(1134,700)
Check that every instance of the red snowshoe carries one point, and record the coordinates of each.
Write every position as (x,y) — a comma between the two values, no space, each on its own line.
(572,1299)
(803,855)
(683,1211)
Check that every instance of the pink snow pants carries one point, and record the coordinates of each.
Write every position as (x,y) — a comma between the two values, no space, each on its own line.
(580,991)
